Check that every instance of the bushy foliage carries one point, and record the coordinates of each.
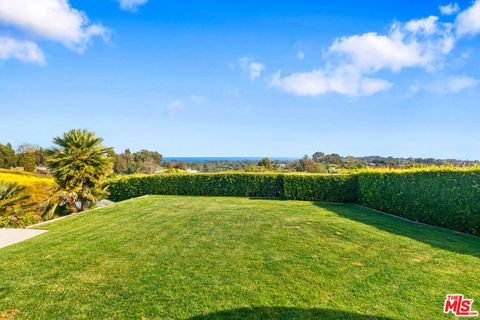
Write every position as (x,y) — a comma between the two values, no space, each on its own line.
(205,184)
(335,188)
(8,158)
(447,196)
(308,165)
(14,202)
(143,161)
(27,156)
(321,187)
(39,190)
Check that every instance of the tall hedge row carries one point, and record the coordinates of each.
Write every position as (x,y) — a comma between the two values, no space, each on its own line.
(330,188)
(334,188)
(220,184)
(446,198)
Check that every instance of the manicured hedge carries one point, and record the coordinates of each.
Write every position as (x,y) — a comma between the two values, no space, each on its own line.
(447,198)
(218,184)
(334,188)
(324,187)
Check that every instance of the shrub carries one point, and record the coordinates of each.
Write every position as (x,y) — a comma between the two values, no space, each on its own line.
(445,197)
(334,188)
(39,190)
(321,187)
(205,184)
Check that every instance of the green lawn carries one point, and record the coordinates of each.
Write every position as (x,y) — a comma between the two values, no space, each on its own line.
(162,257)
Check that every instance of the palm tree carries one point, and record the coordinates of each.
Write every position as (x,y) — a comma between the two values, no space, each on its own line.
(79,164)
(13,200)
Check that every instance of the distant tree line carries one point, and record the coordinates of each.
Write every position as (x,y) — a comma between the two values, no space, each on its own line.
(143,161)
(321,162)
(351,162)
(27,156)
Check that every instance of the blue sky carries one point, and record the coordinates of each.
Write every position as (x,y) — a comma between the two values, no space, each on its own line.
(245,78)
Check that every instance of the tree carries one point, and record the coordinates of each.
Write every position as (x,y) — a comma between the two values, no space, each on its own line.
(144,155)
(120,164)
(145,160)
(27,156)
(79,164)
(308,165)
(266,163)
(41,157)
(148,166)
(8,158)
(319,157)
(352,162)
(124,163)
(131,165)
(180,165)
(333,159)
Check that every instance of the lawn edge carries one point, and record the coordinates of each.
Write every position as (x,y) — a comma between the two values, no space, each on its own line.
(33,226)
(416,222)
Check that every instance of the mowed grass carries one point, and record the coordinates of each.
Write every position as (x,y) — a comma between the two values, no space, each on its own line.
(169,257)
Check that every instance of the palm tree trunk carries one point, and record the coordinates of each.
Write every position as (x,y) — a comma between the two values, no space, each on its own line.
(72,205)
(83,199)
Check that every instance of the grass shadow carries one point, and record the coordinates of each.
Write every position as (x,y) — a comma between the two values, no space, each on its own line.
(436,237)
(285,313)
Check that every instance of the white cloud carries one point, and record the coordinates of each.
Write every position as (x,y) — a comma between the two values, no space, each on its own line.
(174,107)
(427,25)
(345,80)
(468,21)
(372,52)
(418,43)
(25,51)
(300,55)
(449,9)
(131,5)
(53,20)
(351,60)
(456,84)
(449,85)
(254,69)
